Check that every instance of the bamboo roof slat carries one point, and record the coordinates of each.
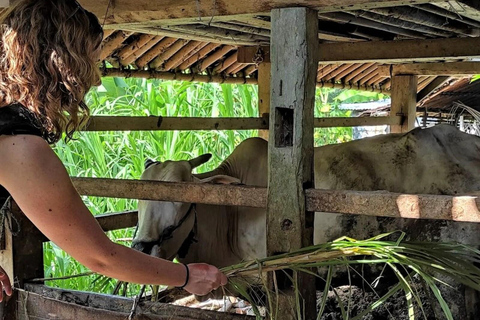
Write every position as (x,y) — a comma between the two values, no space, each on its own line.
(189,55)
(374,80)
(107,33)
(347,71)
(239,28)
(226,63)
(215,57)
(358,71)
(388,84)
(199,55)
(219,35)
(181,33)
(158,61)
(447,14)
(364,73)
(254,21)
(250,69)
(113,42)
(140,51)
(351,18)
(325,71)
(339,70)
(235,67)
(368,77)
(158,49)
(418,16)
(178,57)
(126,51)
(392,21)
(425,83)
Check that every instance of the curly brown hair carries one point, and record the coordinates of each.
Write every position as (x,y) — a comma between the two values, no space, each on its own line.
(47,62)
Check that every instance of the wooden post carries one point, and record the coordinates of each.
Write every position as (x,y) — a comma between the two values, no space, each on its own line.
(404,102)
(22,254)
(289,226)
(263,93)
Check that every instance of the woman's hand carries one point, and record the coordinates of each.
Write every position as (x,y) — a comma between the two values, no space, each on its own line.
(5,284)
(204,278)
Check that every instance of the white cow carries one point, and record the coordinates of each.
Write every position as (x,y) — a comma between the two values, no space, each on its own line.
(439,160)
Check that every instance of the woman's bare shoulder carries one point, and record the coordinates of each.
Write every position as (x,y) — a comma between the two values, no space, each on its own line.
(24,150)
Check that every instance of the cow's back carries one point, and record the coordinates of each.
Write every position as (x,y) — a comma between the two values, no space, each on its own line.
(438,160)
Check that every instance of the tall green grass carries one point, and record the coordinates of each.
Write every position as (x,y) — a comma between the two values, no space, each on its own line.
(122,155)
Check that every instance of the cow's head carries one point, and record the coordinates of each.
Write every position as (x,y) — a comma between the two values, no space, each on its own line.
(163,226)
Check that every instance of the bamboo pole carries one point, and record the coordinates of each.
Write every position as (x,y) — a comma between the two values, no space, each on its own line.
(113,43)
(175,76)
(169,52)
(135,45)
(346,72)
(217,55)
(226,63)
(140,51)
(193,53)
(199,56)
(181,54)
(364,73)
(158,49)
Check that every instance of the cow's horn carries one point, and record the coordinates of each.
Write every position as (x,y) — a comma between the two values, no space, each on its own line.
(200,160)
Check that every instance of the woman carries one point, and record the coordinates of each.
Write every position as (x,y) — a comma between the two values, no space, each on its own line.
(48,55)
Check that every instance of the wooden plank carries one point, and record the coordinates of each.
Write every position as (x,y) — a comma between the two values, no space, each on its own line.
(171,12)
(387,204)
(41,302)
(251,55)
(356,122)
(22,257)
(170,191)
(431,87)
(117,220)
(264,94)
(374,203)
(431,69)
(395,51)
(120,123)
(290,159)
(404,102)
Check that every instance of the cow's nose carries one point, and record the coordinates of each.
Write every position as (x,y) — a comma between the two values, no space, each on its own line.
(142,246)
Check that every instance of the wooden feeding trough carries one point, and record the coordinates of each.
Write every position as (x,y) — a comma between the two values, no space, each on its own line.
(404,48)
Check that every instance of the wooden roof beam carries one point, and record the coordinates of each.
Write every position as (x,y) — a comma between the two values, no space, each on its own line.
(169,12)
(432,69)
(388,52)
(400,50)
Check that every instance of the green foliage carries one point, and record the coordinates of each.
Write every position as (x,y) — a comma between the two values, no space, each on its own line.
(122,155)
(430,262)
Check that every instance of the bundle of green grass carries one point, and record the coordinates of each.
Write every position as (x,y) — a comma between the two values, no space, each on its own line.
(410,262)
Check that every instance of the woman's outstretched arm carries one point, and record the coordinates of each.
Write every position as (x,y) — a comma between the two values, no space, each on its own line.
(40,185)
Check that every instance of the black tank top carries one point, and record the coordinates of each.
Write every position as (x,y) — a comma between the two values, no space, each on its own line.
(16,119)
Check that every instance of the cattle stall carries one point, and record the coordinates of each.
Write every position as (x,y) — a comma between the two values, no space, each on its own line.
(407,48)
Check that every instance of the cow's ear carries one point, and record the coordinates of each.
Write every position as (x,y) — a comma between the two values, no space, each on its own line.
(221,179)
(148,163)
(198,161)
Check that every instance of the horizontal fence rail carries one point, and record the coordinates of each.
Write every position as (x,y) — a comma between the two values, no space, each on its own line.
(41,302)
(120,123)
(378,203)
